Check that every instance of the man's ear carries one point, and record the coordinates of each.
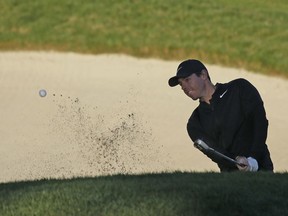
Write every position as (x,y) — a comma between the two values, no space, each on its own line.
(204,74)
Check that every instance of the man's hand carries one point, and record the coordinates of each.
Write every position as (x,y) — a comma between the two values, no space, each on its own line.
(250,164)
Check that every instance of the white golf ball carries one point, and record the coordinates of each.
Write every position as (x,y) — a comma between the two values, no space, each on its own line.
(42,93)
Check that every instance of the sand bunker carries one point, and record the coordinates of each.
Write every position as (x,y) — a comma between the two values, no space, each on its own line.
(108,114)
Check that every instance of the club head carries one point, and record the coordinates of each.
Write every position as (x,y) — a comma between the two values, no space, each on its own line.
(201,145)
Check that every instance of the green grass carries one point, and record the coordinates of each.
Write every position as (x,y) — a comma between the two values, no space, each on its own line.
(250,34)
(151,194)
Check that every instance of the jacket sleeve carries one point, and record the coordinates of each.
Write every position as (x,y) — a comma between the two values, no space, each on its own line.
(253,107)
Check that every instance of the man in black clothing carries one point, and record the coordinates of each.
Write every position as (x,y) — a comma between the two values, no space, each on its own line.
(230,118)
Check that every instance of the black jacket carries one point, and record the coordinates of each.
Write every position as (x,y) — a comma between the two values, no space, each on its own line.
(234,123)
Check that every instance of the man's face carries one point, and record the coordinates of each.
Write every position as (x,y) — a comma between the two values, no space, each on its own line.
(193,86)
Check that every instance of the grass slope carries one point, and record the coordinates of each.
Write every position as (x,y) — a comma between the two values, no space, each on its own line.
(151,194)
(249,33)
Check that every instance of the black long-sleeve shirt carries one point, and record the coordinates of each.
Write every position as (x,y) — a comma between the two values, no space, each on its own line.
(234,123)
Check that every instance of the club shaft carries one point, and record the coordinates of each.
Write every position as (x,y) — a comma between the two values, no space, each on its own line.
(226,157)
(203,146)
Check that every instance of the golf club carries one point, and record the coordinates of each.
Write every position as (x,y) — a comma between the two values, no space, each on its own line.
(201,145)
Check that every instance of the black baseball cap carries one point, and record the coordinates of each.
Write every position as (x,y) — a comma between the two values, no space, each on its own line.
(185,69)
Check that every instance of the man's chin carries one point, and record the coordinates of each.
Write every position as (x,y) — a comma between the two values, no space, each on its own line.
(190,94)
(194,99)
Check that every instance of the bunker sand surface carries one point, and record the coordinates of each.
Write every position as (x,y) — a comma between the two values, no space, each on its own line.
(108,114)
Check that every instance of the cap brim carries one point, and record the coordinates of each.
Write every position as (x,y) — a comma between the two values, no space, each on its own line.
(173,81)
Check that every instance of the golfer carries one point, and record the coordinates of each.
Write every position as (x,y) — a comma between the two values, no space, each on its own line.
(230,118)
